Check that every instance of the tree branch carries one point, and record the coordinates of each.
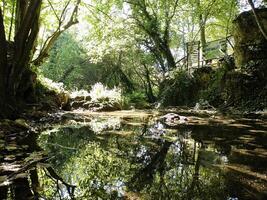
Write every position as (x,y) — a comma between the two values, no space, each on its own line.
(51,39)
(257,19)
(53,9)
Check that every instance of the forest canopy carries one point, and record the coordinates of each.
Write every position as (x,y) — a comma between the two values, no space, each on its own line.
(132,44)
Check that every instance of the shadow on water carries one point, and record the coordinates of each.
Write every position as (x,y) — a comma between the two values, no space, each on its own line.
(21,163)
(130,157)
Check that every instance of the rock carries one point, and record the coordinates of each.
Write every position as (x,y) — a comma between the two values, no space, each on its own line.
(203,105)
(82,98)
(91,105)
(173,117)
(78,104)
(107,106)
(110,107)
(64,98)
(66,107)
(250,44)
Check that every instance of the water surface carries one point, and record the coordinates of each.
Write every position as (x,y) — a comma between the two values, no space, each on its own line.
(137,155)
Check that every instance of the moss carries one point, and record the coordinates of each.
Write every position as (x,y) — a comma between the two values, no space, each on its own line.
(250,45)
(246,89)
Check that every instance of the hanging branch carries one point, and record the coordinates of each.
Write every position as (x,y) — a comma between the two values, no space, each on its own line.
(51,39)
(88,6)
(257,18)
(54,11)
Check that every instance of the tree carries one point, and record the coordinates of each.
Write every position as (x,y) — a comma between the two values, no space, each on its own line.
(17,79)
(154,19)
(15,73)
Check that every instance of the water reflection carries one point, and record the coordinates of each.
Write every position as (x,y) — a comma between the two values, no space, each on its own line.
(131,158)
(21,163)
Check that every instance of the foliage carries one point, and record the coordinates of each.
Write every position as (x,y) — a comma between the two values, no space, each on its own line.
(136,100)
(66,62)
(214,93)
(126,36)
(180,90)
(79,93)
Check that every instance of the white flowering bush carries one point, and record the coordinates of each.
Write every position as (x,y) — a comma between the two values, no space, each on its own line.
(101,93)
(79,93)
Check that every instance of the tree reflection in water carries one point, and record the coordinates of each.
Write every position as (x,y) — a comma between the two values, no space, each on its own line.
(21,162)
(135,159)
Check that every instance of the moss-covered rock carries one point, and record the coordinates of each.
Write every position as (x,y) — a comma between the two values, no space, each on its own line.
(248,87)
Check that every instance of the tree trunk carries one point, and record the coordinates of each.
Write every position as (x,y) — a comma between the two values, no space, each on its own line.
(149,90)
(22,190)
(202,25)
(16,76)
(169,57)
(3,68)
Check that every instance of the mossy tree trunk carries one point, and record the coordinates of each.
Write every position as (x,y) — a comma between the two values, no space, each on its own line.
(15,74)
(17,80)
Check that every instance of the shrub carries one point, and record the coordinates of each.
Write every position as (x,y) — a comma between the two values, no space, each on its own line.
(136,99)
(79,93)
(178,90)
(214,92)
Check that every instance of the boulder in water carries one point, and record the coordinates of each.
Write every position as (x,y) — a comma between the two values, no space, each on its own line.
(173,117)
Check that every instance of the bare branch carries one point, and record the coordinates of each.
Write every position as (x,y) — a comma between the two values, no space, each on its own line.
(64,11)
